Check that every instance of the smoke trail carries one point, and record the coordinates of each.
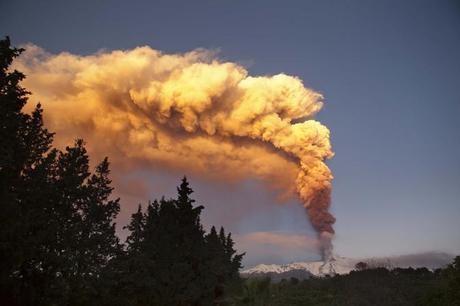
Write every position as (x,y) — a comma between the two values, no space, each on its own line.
(190,112)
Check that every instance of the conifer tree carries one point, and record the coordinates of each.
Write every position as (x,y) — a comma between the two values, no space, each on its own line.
(136,228)
(224,261)
(56,228)
(170,260)
(216,261)
(24,143)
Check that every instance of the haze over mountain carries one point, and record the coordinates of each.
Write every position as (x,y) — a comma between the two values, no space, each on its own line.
(344,265)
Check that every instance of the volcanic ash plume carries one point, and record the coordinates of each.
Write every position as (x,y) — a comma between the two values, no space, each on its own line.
(189,112)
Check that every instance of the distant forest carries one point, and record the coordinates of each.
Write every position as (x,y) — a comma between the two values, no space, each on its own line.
(58,243)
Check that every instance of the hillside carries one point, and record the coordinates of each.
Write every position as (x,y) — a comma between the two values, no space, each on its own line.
(343,265)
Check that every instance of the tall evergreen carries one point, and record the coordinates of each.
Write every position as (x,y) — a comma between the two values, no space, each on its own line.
(136,228)
(12,98)
(175,249)
(57,231)
(171,261)
(224,262)
(24,165)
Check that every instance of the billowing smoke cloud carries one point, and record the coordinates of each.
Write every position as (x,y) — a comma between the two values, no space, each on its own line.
(189,112)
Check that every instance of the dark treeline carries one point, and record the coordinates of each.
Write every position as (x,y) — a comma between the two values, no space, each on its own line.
(58,244)
(365,286)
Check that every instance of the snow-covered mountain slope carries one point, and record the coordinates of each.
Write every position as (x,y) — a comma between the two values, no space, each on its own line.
(344,265)
(338,265)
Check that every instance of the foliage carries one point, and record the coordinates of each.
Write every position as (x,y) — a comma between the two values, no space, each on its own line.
(57,232)
(447,288)
(171,261)
(374,286)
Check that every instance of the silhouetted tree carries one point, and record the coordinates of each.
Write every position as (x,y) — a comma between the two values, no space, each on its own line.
(447,289)
(24,143)
(224,261)
(170,260)
(57,233)
(136,229)
(174,248)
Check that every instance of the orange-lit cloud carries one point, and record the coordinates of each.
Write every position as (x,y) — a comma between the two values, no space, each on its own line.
(188,112)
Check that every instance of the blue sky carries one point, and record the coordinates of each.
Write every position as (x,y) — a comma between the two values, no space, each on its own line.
(390,74)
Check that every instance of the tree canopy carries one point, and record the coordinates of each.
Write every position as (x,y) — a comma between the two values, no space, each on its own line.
(186,266)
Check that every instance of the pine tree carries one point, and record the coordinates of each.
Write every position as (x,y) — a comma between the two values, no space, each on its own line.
(216,262)
(57,233)
(12,98)
(70,229)
(170,260)
(128,273)
(224,261)
(233,259)
(98,219)
(136,228)
(24,144)
(97,238)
